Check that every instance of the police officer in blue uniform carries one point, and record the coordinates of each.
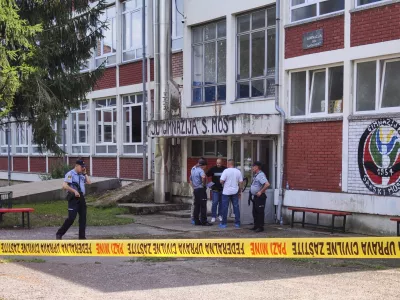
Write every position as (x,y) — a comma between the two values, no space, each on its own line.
(257,195)
(74,184)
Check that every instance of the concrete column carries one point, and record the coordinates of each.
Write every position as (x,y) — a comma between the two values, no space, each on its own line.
(184,152)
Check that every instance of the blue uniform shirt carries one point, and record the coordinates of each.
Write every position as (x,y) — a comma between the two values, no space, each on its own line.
(73,177)
(196,177)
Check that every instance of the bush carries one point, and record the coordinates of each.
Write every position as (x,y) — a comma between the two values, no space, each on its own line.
(58,170)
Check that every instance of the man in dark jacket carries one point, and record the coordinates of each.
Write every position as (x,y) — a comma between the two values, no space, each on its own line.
(216,172)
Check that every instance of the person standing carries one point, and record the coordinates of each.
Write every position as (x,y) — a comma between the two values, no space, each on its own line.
(198,180)
(190,182)
(216,172)
(232,180)
(74,184)
(257,195)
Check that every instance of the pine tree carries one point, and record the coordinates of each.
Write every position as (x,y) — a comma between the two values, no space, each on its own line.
(70,31)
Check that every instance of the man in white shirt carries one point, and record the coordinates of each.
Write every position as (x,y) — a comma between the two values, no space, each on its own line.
(232,180)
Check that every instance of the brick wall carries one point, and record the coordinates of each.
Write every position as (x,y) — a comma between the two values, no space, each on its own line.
(3,163)
(355,183)
(108,80)
(104,166)
(131,168)
(38,164)
(374,25)
(73,159)
(313,156)
(212,161)
(132,73)
(177,65)
(20,164)
(333,36)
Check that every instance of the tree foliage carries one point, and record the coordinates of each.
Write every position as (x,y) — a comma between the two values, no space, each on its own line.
(67,32)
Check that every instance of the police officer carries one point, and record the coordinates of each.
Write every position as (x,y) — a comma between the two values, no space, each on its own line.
(74,184)
(257,195)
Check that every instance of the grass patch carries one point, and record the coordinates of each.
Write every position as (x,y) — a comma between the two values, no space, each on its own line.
(53,213)
(152,259)
(19,260)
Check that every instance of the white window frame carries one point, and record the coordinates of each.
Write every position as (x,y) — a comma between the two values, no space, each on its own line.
(100,58)
(203,85)
(136,145)
(308,3)
(83,108)
(19,128)
(371,4)
(265,77)
(203,142)
(114,131)
(3,141)
(138,51)
(176,21)
(309,87)
(379,82)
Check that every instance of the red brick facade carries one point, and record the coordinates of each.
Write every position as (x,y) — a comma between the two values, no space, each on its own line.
(177,65)
(131,168)
(54,161)
(375,25)
(3,163)
(333,36)
(109,79)
(192,161)
(132,73)
(38,164)
(20,164)
(313,156)
(104,166)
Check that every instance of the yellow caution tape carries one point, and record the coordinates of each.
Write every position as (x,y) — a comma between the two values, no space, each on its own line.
(349,247)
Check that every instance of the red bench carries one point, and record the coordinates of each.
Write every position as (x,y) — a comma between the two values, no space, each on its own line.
(334,214)
(18,210)
(397,219)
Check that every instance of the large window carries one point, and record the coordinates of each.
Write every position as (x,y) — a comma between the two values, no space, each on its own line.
(209,148)
(22,138)
(256,54)
(106,126)
(3,141)
(177,24)
(132,30)
(107,47)
(57,128)
(377,85)
(306,9)
(366,2)
(209,62)
(132,113)
(316,92)
(80,129)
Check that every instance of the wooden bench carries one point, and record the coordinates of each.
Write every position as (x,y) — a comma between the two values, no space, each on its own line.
(18,210)
(318,212)
(397,219)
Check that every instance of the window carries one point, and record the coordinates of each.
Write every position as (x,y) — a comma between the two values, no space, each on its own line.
(106,47)
(306,9)
(3,140)
(106,123)
(377,85)
(80,129)
(132,114)
(209,148)
(316,92)
(366,2)
(256,54)
(209,62)
(22,138)
(132,30)
(57,128)
(177,25)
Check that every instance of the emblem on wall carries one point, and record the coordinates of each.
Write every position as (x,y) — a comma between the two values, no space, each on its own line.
(378,157)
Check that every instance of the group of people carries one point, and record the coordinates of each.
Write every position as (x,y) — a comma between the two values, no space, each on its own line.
(226,187)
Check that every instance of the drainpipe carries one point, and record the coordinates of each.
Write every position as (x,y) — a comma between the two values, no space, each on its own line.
(279,109)
(144,89)
(157,154)
(8,134)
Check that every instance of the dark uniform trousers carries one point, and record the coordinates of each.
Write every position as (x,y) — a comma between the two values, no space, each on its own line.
(75,206)
(200,205)
(259,210)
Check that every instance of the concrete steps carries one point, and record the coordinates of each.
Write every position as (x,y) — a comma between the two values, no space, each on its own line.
(152,208)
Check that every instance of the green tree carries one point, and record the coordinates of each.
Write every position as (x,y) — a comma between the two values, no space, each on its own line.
(70,31)
(16,48)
